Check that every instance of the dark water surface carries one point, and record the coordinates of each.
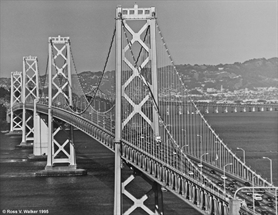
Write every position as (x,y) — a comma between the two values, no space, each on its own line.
(93,194)
(257,133)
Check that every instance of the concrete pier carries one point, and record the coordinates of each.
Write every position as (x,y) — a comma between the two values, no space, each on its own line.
(59,171)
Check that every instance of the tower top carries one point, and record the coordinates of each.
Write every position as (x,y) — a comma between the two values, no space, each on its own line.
(30,58)
(59,39)
(17,73)
(135,12)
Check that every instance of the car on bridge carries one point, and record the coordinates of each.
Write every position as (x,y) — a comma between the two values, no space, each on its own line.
(257,196)
(247,184)
(269,199)
(249,193)
(231,184)
(212,171)
(220,184)
(250,204)
(270,204)
(261,191)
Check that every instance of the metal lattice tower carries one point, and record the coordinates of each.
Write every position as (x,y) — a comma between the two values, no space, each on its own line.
(59,94)
(126,85)
(30,92)
(59,76)
(16,88)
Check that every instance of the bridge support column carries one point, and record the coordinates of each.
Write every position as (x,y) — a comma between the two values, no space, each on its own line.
(139,203)
(61,160)
(27,130)
(30,91)
(130,107)
(16,117)
(16,123)
(40,136)
(234,206)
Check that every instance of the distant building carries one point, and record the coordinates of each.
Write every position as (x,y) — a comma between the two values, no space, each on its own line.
(211,90)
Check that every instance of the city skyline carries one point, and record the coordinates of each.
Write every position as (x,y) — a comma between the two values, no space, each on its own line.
(196,32)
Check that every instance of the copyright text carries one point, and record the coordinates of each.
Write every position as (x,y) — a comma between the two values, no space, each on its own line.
(13,211)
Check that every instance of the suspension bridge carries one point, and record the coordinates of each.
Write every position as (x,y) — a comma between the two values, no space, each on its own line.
(137,119)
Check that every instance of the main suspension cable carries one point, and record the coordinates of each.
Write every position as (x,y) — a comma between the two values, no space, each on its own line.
(101,78)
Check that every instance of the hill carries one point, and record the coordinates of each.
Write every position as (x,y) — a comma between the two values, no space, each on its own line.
(249,74)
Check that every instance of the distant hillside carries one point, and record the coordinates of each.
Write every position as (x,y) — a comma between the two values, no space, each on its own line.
(249,74)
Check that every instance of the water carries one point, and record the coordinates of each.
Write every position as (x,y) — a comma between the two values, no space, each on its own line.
(257,133)
(93,194)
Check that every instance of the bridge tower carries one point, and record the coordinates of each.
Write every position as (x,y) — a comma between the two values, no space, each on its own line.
(30,92)
(125,17)
(16,88)
(61,158)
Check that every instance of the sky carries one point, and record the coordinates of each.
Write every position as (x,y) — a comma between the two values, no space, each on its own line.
(196,31)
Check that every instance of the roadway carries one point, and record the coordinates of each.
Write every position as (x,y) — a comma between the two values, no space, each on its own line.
(264,206)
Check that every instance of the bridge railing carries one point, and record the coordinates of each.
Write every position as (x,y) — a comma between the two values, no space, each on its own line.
(176,177)
(222,155)
(140,157)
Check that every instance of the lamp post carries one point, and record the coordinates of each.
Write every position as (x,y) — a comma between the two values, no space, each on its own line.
(181,156)
(253,200)
(243,151)
(185,137)
(201,162)
(182,147)
(270,161)
(224,176)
